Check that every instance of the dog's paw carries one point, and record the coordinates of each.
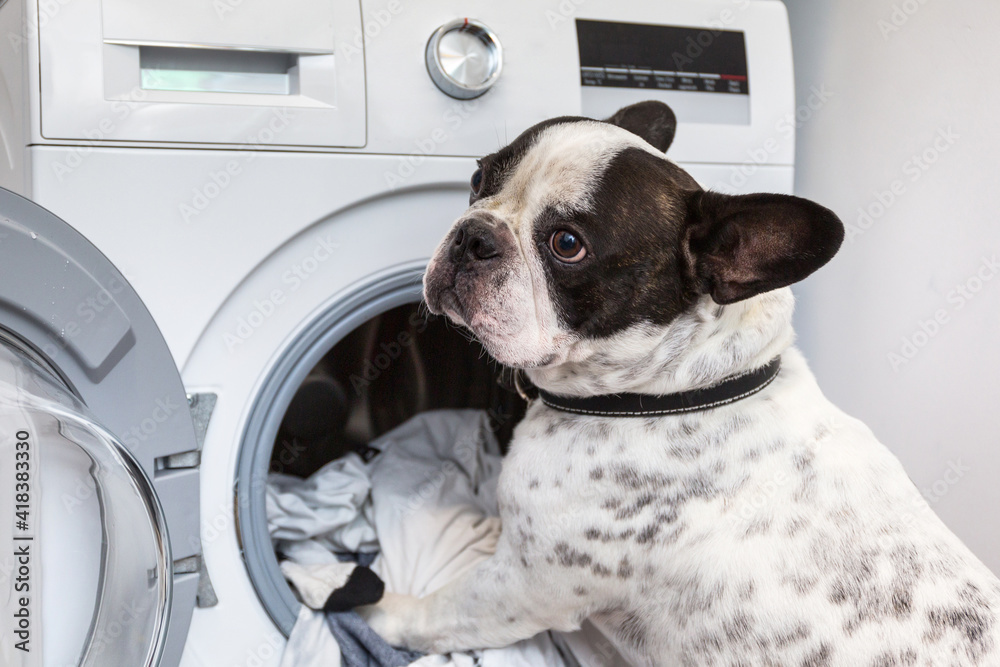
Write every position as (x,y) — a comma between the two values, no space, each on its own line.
(391,618)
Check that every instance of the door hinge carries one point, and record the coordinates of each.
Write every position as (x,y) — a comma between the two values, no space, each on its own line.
(201,407)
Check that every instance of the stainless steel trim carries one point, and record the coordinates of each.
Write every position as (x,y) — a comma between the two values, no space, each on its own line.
(217,47)
(445,82)
(201,407)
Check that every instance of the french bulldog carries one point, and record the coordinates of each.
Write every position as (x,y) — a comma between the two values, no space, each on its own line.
(766,529)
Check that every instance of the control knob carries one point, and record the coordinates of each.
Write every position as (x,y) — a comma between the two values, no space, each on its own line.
(464,58)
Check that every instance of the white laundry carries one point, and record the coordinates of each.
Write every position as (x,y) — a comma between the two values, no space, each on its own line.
(431,499)
(329,507)
(434,499)
(311,643)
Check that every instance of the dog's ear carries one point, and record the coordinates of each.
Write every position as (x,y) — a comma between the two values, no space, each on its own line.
(738,246)
(653,121)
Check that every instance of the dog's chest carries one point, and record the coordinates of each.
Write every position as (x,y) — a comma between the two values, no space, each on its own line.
(621,501)
(634,478)
(621,510)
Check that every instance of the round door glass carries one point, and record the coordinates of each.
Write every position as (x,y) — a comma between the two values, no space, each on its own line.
(86,576)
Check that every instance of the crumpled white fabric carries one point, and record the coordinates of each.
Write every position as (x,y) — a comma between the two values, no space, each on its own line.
(329,507)
(431,499)
(434,499)
(311,643)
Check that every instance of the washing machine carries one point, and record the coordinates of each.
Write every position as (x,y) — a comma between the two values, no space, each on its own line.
(214,225)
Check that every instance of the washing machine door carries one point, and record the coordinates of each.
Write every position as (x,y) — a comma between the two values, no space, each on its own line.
(99,551)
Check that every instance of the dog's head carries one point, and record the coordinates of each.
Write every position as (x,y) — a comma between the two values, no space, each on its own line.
(580,229)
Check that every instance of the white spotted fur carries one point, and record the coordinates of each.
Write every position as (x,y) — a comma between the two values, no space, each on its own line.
(771,531)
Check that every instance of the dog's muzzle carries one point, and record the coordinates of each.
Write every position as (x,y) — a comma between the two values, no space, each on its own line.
(474,240)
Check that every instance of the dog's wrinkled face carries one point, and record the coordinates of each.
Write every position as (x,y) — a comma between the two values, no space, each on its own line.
(581,229)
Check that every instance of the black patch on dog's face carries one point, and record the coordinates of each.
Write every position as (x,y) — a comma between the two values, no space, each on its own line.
(633,270)
(654,122)
(656,242)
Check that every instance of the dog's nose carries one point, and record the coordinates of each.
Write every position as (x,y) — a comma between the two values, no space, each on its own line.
(474,240)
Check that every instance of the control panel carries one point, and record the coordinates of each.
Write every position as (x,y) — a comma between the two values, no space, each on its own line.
(700,72)
(393,78)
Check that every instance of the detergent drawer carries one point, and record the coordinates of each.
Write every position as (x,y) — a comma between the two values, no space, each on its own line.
(255,72)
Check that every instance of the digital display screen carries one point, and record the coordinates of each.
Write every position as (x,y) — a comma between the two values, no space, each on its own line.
(634,55)
(700,72)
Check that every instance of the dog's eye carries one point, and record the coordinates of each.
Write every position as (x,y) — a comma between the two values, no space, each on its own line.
(567,246)
(477,181)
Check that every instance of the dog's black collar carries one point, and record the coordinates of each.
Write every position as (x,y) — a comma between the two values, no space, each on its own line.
(728,391)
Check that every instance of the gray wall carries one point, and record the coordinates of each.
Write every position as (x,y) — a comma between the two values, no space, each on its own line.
(911,135)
